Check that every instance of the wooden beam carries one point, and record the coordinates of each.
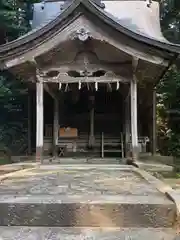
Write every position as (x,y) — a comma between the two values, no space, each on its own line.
(92,67)
(39,121)
(67,79)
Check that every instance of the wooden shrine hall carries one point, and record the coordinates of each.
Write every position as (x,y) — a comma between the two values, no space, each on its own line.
(92,68)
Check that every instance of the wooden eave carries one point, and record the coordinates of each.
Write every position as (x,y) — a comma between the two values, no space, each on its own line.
(33,38)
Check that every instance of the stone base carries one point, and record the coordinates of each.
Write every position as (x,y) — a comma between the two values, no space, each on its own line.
(39,154)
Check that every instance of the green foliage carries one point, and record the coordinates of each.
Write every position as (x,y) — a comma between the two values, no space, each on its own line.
(11,17)
(15,16)
(14,19)
(13,102)
(168,108)
(170,19)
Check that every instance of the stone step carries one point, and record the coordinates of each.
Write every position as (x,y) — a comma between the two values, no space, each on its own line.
(83,212)
(45,233)
(83,196)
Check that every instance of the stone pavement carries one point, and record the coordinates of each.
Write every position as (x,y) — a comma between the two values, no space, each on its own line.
(53,200)
(66,180)
(40,233)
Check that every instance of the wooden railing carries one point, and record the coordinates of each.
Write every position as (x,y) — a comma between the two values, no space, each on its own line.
(112,145)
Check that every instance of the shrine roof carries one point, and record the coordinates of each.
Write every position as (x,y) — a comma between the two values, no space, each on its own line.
(132,18)
(133,15)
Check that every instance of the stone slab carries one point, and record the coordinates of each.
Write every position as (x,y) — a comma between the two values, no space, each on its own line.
(55,180)
(83,196)
(40,233)
(86,215)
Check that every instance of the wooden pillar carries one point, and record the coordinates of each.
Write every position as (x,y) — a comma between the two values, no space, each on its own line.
(91,135)
(39,121)
(56,126)
(127,126)
(134,125)
(29,123)
(154,140)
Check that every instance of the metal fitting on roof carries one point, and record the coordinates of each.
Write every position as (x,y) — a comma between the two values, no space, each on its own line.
(149,2)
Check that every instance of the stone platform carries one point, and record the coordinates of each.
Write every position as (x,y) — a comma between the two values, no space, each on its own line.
(83,196)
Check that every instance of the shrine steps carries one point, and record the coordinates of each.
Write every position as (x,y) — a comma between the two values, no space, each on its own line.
(84,202)
(81,212)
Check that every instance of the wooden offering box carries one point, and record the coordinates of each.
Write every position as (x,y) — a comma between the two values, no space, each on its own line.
(68,132)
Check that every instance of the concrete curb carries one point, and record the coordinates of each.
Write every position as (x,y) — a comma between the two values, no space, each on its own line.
(168,191)
(154,167)
(163,188)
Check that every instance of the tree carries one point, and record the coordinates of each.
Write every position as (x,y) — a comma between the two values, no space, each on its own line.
(11,20)
(169,87)
(170,19)
(14,19)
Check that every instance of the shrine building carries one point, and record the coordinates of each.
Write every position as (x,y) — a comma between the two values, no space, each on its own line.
(92,68)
